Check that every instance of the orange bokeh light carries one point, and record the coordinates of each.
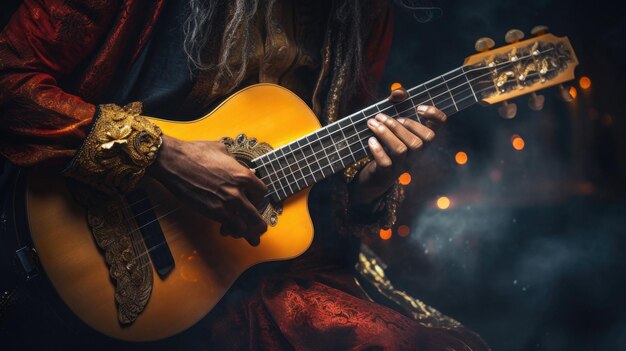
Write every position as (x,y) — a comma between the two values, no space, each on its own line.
(584,82)
(460,158)
(396,86)
(443,203)
(385,234)
(404,231)
(405,178)
(517,142)
(573,92)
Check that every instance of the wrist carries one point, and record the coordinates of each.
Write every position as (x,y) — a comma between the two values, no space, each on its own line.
(162,165)
(363,201)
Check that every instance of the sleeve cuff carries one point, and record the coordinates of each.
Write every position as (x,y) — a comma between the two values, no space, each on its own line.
(367,220)
(117,151)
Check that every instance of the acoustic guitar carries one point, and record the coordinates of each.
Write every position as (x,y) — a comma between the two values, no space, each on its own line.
(270,129)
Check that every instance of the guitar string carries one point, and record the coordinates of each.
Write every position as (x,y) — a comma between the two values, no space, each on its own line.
(283,188)
(289,167)
(358,132)
(327,148)
(315,153)
(174,237)
(427,90)
(157,205)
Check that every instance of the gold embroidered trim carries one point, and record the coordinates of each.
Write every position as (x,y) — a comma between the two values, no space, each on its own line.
(115,155)
(116,233)
(352,170)
(372,270)
(384,214)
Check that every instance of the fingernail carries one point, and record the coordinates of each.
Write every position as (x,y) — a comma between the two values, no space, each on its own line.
(381,117)
(373,123)
(372,141)
(422,108)
(401,120)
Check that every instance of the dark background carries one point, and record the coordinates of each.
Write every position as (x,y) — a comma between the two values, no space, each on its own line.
(530,252)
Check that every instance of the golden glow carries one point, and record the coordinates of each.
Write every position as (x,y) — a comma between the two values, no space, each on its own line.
(573,92)
(385,234)
(460,158)
(405,178)
(585,83)
(396,86)
(404,231)
(443,203)
(517,142)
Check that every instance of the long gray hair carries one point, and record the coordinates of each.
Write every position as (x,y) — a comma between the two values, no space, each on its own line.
(230,20)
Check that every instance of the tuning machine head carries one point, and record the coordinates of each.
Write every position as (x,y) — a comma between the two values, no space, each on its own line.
(536,102)
(564,94)
(539,30)
(513,36)
(507,110)
(483,44)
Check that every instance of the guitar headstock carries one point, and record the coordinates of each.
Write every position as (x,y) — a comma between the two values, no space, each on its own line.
(520,67)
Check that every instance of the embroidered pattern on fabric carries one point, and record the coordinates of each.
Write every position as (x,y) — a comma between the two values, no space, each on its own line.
(115,155)
(124,251)
(371,269)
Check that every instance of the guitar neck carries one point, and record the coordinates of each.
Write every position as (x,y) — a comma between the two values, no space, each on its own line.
(316,156)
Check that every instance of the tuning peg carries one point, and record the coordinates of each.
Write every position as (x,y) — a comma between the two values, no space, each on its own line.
(539,30)
(535,102)
(484,44)
(507,110)
(564,94)
(513,36)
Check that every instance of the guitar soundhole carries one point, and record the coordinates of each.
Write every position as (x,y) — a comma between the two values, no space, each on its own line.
(245,150)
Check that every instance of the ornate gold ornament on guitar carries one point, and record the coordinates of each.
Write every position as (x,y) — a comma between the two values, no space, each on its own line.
(272,130)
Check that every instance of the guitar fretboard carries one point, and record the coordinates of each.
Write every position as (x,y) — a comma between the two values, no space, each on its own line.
(314,157)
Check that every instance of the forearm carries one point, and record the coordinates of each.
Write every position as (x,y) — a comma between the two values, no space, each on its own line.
(40,122)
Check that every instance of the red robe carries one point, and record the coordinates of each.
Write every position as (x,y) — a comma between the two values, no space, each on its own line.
(57,60)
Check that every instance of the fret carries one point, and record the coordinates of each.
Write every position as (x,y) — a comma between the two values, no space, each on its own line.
(294,158)
(336,140)
(274,177)
(420,96)
(384,106)
(430,97)
(356,129)
(405,108)
(469,83)
(308,178)
(461,90)
(284,172)
(345,145)
(445,82)
(289,167)
(370,112)
(263,172)
(439,93)
(328,147)
(269,173)
(314,156)
(310,159)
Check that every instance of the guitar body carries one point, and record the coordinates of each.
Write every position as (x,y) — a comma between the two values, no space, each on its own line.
(206,263)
